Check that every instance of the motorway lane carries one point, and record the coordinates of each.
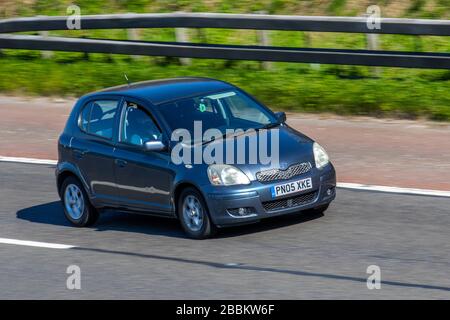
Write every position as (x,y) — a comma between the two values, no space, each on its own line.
(303,256)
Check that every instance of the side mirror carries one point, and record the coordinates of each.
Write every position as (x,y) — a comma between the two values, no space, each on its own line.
(154,145)
(281,117)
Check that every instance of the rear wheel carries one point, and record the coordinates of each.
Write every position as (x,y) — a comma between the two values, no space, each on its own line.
(77,208)
(194,216)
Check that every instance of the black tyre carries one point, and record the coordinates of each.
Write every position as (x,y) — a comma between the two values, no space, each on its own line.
(77,207)
(194,215)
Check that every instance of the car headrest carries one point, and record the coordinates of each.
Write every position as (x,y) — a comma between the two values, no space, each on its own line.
(96,112)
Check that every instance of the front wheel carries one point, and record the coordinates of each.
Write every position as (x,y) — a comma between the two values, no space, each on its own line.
(194,216)
(77,208)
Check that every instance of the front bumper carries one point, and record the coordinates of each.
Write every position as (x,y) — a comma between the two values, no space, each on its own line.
(223,202)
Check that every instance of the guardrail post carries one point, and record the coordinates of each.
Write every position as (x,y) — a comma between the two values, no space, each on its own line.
(45,54)
(182,36)
(307,43)
(132,34)
(264,40)
(372,43)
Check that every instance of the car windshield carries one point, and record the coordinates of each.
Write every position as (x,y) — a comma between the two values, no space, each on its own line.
(223,111)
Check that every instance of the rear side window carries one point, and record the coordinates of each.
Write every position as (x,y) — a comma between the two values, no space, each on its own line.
(84,117)
(98,118)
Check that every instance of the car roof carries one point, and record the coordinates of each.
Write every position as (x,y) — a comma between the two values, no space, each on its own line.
(165,90)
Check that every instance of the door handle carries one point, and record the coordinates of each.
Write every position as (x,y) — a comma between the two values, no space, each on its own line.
(121,163)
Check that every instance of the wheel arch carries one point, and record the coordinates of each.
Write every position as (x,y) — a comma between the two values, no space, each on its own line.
(179,189)
(66,170)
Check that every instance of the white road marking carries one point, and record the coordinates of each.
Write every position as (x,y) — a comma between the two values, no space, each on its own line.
(344,185)
(27,160)
(368,187)
(35,244)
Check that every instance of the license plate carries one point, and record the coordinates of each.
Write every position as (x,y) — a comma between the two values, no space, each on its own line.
(291,187)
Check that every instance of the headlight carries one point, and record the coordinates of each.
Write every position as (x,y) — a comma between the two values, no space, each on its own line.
(320,155)
(226,175)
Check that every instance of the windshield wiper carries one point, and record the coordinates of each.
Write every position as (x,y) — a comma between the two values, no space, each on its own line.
(269,125)
(224,136)
(233,134)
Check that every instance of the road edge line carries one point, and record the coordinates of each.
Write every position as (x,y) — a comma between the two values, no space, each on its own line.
(27,160)
(38,244)
(398,190)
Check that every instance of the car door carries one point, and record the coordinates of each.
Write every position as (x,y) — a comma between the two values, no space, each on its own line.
(93,147)
(143,178)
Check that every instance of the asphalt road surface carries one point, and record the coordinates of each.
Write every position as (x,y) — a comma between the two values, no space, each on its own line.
(296,257)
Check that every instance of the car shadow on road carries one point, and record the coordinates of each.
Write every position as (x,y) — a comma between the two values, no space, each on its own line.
(47,213)
(52,213)
(269,224)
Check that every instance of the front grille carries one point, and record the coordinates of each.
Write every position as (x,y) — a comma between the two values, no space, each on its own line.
(291,202)
(278,174)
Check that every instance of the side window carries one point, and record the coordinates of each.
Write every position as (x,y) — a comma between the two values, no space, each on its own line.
(83,121)
(98,118)
(137,126)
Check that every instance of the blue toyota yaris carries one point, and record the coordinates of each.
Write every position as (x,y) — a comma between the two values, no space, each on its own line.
(199,150)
